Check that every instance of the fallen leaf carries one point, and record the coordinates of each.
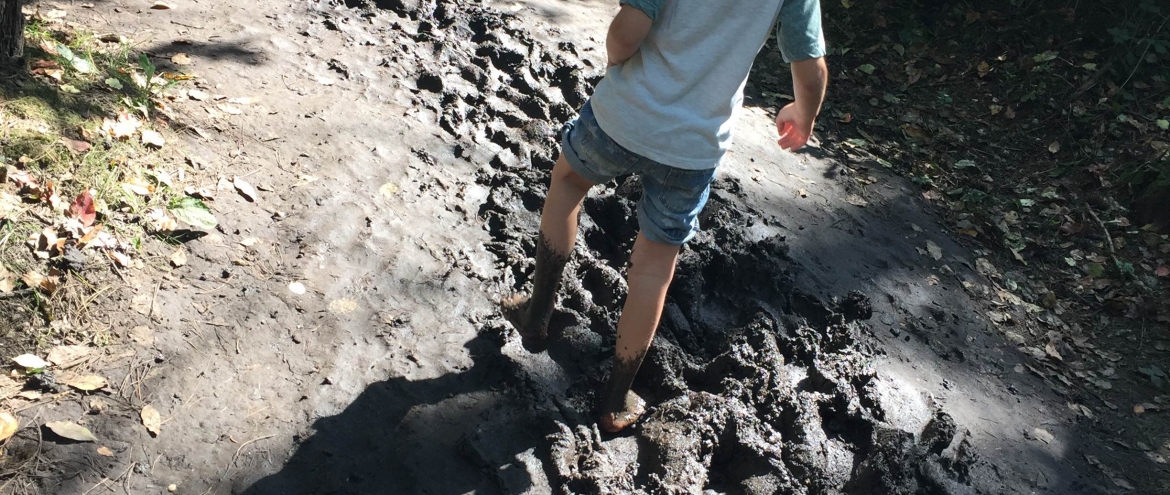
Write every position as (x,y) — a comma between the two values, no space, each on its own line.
(152,138)
(1054,147)
(1051,351)
(857,201)
(87,383)
(83,209)
(8,425)
(983,69)
(194,212)
(66,354)
(249,242)
(1042,435)
(80,64)
(388,189)
(71,431)
(123,128)
(76,145)
(342,306)
(228,109)
(197,95)
(30,395)
(120,258)
(296,288)
(245,189)
(179,258)
(151,419)
(114,83)
(935,251)
(30,362)
(137,186)
(105,452)
(181,59)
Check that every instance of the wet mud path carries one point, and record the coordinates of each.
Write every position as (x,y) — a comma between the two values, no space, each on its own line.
(807,346)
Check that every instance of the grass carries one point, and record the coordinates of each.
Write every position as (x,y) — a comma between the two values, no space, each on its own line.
(98,80)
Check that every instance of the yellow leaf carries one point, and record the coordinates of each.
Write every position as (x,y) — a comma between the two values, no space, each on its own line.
(8,425)
(88,383)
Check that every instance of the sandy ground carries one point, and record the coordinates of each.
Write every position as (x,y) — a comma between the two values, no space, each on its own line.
(402,163)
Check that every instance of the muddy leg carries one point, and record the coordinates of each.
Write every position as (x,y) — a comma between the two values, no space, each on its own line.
(651,269)
(558,233)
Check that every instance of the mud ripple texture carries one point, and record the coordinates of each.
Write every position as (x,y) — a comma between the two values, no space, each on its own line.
(755,387)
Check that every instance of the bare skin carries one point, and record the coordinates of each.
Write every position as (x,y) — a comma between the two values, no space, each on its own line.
(651,270)
(558,234)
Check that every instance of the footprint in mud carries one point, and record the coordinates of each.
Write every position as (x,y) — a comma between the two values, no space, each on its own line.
(754,387)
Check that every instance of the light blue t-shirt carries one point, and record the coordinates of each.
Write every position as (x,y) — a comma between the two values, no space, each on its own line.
(672,102)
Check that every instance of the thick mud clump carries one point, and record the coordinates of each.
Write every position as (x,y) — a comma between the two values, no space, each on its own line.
(754,387)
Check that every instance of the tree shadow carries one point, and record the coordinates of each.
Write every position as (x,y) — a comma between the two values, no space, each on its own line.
(457,433)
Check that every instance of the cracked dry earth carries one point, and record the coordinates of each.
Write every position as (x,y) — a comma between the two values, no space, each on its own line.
(407,146)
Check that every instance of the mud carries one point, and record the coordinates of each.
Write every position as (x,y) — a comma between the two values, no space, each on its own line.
(753,386)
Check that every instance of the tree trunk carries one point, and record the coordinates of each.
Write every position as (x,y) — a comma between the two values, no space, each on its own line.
(11,31)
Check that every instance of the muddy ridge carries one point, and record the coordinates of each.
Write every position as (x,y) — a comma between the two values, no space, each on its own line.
(754,387)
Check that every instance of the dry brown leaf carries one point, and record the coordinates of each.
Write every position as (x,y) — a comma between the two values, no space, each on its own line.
(120,258)
(71,431)
(935,251)
(181,59)
(105,451)
(88,383)
(245,189)
(152,138)
(76,145)
(8,425)
(65,354)
(137,186)
(151,419)
(179,258)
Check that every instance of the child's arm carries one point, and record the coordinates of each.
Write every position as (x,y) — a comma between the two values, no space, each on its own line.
(803,46)
(810,78)
(627,31)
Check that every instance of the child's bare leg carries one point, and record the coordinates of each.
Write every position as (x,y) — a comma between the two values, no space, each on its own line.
(651,269)
(558,233)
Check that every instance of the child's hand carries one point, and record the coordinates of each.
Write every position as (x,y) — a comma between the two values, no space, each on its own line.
(794,126)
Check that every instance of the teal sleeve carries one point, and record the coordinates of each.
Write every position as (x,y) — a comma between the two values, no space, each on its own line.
(799,35)
(650,7)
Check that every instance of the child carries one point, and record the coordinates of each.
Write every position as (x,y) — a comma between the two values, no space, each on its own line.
(677,69)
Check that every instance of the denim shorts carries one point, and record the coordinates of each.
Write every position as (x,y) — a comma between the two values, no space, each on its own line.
(672,198)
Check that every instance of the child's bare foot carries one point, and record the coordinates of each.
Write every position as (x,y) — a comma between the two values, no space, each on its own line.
(633,409)
(516,311)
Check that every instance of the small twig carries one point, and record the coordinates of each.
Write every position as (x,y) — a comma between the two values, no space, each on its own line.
(1108,238)
(236,456)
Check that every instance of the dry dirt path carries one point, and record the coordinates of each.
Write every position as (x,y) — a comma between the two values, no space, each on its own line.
(401,194)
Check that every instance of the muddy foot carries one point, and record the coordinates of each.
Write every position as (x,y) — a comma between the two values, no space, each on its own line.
(634,408)
(516,311)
